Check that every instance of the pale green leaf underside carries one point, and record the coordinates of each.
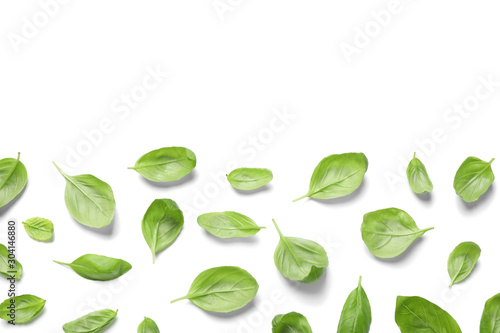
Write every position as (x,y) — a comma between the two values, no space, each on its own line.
(418,178)
(148,326)
(228,224)
(462,260)
(98,268)
(248,179)
(473,179)
(27,308)
(94,322)
(39,229)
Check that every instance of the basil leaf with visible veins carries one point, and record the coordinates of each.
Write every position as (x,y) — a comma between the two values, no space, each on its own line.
(248,179)
(98,268)
(462,261)
(490,320)
(39,229)
(26,308)
(356,315)
(13,179)
(228,224)
(94,322)
(473,179)
(9,266)
(292,322)
(418,177)
(148,326)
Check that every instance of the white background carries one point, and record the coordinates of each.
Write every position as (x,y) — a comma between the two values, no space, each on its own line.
(227,79)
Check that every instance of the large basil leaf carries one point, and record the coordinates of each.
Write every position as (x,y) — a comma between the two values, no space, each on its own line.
(8,265)
(416,314)
(292,322)
(389,232)
(94,322)
(13,179)
(148,326)
(300,259)
(473,178)
(248,179)
(166,164)
(490,320)
(161,224)
(89,200)
(356,315)
(222,289)
(228,224)
(98,268)
(39,229)
(337,175)
(418,177)
(25,308)
(462,260)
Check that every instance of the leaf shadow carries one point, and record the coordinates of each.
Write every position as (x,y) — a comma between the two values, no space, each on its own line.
(265,188)
(248,307)
(249,240)
(424,197)
(483,200)
(350,197)
(315,288)
(403,256)
(186,179)
(7,207)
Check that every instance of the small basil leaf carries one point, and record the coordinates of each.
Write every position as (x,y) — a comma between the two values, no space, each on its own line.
(462,260)
(292,322)
(166,164)
(228,224)
(89,200)
(418,177)
(25,307)
(161,224)
(473,179)
(94,322)
(222,289)
(13,179)
(248,179)
(8,266)
(490,320)
(98,268)
(300,259)
(389,232)
(39,229)
(356,315)
(337,175)
(416,314)
(148,326)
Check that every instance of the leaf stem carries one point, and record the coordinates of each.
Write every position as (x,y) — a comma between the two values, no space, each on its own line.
(278,229)
(179,299)
(302,197)
(414,154)
(359,281)
(491,161)
(61,263)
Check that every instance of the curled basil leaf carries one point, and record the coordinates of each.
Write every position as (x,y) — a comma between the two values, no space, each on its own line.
(418,177)
(300,259)
(490,320)
(248,179)
(473,179)
(21,309)
(89,200)
(166,164)
(162,224)
(9,267)
(291,322)
(94,322)
(356,315)
(416,314)
(222,289)
(98,268)
(39,229)
(389,232)
(228,224)
(337,175)
(148,326)
(13,179)
(462,260)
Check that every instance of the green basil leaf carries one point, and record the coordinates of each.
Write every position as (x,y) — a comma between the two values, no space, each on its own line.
(89,200)
(337,175)
(21,309)
(94,322)
(161,225)
(228,224)
(248,179)
(418,177)
(300,259)
(39,229)
(8,266)
(389,232)
(148,326)
(166,164)
(98,268)
(473,179)
(490,320)
(13,179)
(416,314)
(356,315)
(222,289)
(292,322)
(462,260)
